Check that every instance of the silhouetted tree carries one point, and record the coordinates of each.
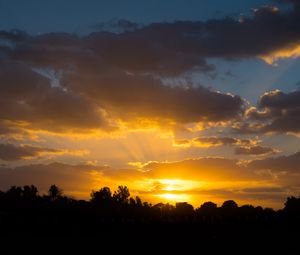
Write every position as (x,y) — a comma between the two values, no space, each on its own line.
(207,210)
(30,192)
(208,206)
(54,192)
(104,194)
(247,211)
(184,209)
(138,201)
(101,197)
(229,208)
(292,206)
(121,195)
(132,202)
(229,205)
(14,193)
(164,211)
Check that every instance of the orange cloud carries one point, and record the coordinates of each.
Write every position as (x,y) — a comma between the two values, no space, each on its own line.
(255,150)
(289,52)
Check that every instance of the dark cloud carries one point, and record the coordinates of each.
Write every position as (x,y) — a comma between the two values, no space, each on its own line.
(289,163)
(10,152)
(119,75)
(86,97)
(96,78)
(27,96)
(214,141)
(294,3)
(180,142)
(265,190)
(14,35)
(164,48)
(277,112)
(118,26)
(144,96)
(254,150)
(242,146)
(284,111)
(7,129)
(217,141)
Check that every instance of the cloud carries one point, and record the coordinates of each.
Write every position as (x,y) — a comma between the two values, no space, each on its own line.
(105,76)
(220,141)
(205,169)
(117,26)
(167,48)
(214,169)
(262,182)
(254,150)
(89,101)
(288,163)
(130,96)
(195,180)
(77,176)
(14,130)
(242,146)
(28,97)
(276,112)
(214,141)
(105,80)
(11,152)
(264,189)
(74,179)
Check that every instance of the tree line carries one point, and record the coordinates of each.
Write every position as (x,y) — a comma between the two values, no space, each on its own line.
(118,220)
(119,205)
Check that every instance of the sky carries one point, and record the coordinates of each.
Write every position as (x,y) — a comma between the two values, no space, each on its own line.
(181,101)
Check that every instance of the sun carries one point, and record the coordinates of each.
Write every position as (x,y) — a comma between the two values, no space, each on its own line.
(171,197)
(168,190)
(179,184)
(176,190)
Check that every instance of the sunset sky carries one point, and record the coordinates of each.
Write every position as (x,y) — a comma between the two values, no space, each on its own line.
(183,100)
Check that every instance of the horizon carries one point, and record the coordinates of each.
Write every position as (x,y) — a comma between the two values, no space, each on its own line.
(97,197)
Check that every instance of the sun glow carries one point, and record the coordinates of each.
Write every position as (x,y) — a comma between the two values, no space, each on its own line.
(175,190)
(174,197)
(179,185)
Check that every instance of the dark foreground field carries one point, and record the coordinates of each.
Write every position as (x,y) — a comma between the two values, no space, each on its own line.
(154,237)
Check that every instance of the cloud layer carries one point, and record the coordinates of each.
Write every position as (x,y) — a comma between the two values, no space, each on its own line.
(277,112)
(100,78)
(11,152)
(254,150)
